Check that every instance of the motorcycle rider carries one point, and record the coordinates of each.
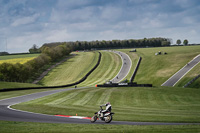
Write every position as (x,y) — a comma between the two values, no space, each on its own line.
(108,108)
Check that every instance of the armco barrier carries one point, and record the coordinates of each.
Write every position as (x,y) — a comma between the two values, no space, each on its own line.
(136,69)
(190,82)
(61,86)
(125,85)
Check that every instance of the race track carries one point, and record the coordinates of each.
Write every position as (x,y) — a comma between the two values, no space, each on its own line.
(9,114)
(126,66)
(182,72)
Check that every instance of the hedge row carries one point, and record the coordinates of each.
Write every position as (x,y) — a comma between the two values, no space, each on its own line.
(22,72)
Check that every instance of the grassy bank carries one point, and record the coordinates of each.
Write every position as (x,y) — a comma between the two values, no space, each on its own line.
(23,127)
(161,104)
(16,85)
(72,70)
(108,68)
(157,69)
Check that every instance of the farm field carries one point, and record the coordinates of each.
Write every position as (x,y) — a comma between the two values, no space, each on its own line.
(157,69)
(17,58)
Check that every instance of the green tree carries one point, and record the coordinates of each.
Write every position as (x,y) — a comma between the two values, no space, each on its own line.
(178,42)
(34,49)
(185,42)
(165,43)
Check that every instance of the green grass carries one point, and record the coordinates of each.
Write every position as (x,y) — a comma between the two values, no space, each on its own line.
(16,85)
(72,70)
(6,57)
(195,84)
(157,69)
(108,68)
(163,104)
(24,127)
(9,94)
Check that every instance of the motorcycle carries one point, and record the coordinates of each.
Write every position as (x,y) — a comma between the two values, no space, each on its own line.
(106,116)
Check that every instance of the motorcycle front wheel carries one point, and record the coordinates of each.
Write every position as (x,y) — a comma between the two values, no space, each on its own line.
(93,119)
(108,119)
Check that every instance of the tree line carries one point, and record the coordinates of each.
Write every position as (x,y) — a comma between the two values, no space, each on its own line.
(23,72)
(89,45)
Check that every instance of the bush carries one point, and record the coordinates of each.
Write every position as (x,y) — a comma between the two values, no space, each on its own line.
(22,72)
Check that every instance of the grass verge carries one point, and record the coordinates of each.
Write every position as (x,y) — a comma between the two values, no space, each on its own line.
(24,127)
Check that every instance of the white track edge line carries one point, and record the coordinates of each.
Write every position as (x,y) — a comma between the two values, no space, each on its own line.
(180,70)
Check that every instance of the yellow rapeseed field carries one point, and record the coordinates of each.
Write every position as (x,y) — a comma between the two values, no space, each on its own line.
(17,60)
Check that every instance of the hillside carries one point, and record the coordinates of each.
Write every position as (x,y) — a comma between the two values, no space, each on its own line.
(109,67)
(72,70)
(157,69)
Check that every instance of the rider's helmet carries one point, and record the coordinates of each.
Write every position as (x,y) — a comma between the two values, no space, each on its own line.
(108,103)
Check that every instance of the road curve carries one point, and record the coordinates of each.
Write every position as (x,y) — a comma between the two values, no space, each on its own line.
(9,114)
(126,66)
(182,72)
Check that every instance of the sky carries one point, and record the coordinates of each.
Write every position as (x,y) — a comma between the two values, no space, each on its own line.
(27,22)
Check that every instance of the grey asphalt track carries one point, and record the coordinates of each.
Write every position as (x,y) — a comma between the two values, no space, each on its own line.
(126,66)
(9,114)
(182,72)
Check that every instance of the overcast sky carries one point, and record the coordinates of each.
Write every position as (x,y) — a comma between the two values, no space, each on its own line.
(27,22)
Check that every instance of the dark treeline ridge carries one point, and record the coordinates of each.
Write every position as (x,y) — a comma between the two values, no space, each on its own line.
(89,45)
(24,72)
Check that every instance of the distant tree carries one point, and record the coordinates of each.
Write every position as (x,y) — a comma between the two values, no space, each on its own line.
(34,49)
(178,42)
(185,42)
(4,53)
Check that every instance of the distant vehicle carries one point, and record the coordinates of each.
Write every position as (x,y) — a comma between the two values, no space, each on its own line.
(134,50)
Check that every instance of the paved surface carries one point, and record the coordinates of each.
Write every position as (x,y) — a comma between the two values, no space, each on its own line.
(182,72)
(9,114)
(126,66)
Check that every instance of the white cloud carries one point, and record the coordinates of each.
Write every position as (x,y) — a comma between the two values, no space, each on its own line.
(27,23)
(25,20)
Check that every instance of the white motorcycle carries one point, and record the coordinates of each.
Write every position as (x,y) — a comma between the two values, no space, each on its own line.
(106,116)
